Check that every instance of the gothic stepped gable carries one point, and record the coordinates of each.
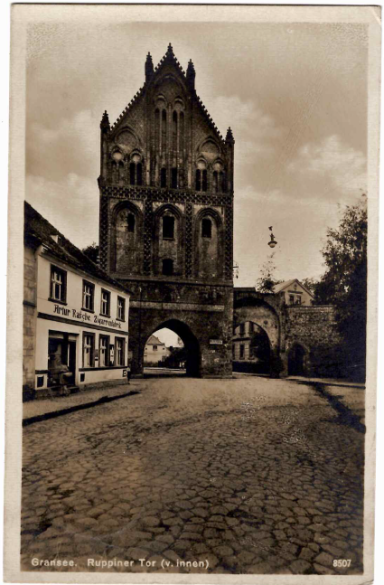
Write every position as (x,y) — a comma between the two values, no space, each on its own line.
(165,137)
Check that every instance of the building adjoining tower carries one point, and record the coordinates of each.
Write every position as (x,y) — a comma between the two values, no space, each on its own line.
(166,217)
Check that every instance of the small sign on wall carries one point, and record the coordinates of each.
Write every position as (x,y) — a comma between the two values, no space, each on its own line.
(215,342)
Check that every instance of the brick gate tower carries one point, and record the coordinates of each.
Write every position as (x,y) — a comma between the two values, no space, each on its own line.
(166,217)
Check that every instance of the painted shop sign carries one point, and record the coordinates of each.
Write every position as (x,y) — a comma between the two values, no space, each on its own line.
(85,317)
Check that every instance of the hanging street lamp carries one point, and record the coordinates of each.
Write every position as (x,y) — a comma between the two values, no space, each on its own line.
(273,242)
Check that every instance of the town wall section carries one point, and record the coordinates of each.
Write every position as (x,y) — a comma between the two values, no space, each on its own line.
(315,329)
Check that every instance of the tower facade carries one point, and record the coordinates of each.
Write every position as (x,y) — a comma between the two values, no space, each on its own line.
(166,217)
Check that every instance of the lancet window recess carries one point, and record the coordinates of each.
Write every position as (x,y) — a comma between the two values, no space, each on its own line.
(206,228)
(168,227)
(219,183)
(163,131)
(136,173)
(201,180)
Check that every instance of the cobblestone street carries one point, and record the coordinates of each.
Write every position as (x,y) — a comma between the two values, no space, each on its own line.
(249,475)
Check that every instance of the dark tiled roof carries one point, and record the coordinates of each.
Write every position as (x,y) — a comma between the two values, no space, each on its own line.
(38,229)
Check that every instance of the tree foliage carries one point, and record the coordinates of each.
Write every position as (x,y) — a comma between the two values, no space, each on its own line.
(344,283)
(267,280)
(92,252)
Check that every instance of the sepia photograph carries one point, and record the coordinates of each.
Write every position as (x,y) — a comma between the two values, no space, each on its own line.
(193,264)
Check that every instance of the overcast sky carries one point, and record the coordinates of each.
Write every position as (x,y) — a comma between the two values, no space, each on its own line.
(295,96)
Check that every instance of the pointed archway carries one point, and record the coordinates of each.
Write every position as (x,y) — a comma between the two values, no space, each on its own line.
(191,344)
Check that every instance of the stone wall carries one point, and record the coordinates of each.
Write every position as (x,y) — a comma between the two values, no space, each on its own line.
(29,322)
(314,328)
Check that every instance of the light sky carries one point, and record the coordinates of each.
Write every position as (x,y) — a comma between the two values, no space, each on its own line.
(295,96)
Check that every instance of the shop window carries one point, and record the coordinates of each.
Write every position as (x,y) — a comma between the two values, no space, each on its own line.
(291,299)
(168,227)
(88,295)
(88,350)
(58,285)
(105,308)
(167,267)
(119,344)
(206,225)
(163,178)
(121,308)
(174,178)
(242,351)
(103,350)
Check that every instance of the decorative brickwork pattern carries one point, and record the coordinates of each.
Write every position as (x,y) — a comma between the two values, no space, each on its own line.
(147,248)
(229,242)
(188,240)
(104,229)
(168,196)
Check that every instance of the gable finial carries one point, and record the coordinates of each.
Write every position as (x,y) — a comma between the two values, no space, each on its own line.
(170,49)
(191,74)
(104,124)
(229,137)
(148,67)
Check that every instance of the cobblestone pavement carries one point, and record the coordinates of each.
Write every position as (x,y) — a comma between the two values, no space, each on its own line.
(248,475)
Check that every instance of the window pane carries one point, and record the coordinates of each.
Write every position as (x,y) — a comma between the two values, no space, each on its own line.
(206,228)
(163,178)
(167,267)
(131,222)
(168,227)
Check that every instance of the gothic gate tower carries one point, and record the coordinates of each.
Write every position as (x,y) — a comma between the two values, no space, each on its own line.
(166,217)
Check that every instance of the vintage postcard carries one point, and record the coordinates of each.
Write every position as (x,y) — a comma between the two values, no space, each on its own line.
(192,294)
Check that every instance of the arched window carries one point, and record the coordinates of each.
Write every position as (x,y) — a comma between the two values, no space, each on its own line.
(131,222)
(205,180)
(181,132)
(164,131)
(163,178)
(215,181)
(167,267)
(139,174)
(198,180)
(132,173)
(206,228)
(157,128)
(174,178)
(168,227)
(222,182)
(174,131)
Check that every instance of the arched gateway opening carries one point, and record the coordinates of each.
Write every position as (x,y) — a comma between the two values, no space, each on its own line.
(296,360)
(251,349)
(174,355)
